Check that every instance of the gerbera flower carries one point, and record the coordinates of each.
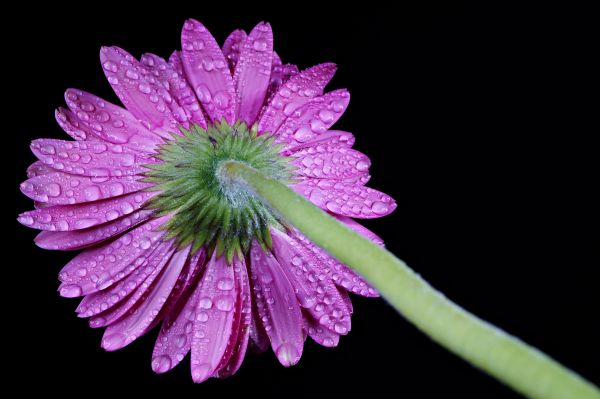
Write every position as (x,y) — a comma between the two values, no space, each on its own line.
(166,239)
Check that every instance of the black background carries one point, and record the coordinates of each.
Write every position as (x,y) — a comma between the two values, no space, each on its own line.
(473,121)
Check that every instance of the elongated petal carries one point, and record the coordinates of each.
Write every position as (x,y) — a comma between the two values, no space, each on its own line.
(253,71)
(107,299)
(82,216)
(214,319)
(240,344)
(108,122)
(140,92)
(332,138)
(232,47)
(91,158)
(38,168)
(313,118)
(184,105)
(98,268)
(277,306)
(73,126)
(321,335)
(60,188)
(337,272)
(175,338)
(136,321)
(315,291)
(206,69)
(78,239)
(331,162)
(293,94)
(346,199)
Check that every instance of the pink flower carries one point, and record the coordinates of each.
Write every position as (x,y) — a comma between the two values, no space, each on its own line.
(164,243)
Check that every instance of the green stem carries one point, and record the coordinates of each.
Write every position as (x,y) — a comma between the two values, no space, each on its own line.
(510,360)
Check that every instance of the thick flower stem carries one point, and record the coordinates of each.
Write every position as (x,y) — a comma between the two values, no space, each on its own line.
(510,360)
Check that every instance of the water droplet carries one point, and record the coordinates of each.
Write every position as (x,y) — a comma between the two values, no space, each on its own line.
(328,342)
(303,134)
(225,303)
(221,99)
(161,364)
(113,341)
(116,189)
(145,243)
(26,220)
(326,116)
(362,166)
(340,328)
(110,66)
(81,272)
(207,64)
(92,193)
(180,341)
(260,45)
(203,94)
(205,303)
(202,316)
(52,189)
(131,74)
(379,208)
(112,215)
(144,88)
(70,291)
(225,284)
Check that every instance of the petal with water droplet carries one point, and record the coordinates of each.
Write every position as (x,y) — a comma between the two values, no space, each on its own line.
(138,90)
(90,158)
(346,198)
(182,101)
(78,239)
(294,93)
(313,118)
(232,47)
(277,306)
(253,71)
(73,126)
(137,320)
(108,122)
(84,215)
(213,325)
(207,71)
(74,189)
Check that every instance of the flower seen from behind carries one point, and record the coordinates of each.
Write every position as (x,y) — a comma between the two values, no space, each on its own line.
(165,238)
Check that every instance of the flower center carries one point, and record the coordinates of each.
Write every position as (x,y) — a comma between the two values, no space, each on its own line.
(208,209)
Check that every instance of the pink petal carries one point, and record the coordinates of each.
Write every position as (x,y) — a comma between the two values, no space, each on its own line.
(332,138)
(78,239)
(314,289)
(331,162)
(136,321)
(339,273)
(279,75)
(108,299)
(232,46)
(38,168)
(206,69)
(313,118)
(60,188)
(321,335)
(214,321)
(108,122)
(138,90)
(73,126)
(277,306)
(89,158)
(175,337)
(293,94)
(185,106)
(82,216)
(98,268)
(259,341)
(253,71)
(240,344)
(346,198)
